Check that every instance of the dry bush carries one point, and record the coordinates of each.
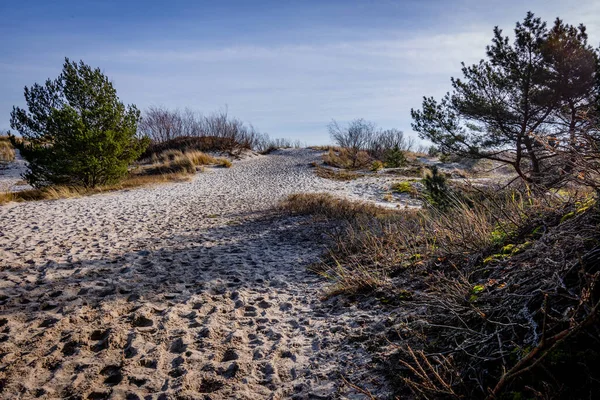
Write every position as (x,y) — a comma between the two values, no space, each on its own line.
(353,279)
(187,129)
(336,175)
(223,162)
(347,159)
(176,161)
(199,158)
(324,148)
(264,144)
(327,205)
(507,282)
(7,152)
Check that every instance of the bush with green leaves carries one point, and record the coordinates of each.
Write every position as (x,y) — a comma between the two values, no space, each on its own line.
(75,130)
(395,158)
(437,193)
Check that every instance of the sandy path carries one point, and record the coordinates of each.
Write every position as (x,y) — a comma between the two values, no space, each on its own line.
(189,290)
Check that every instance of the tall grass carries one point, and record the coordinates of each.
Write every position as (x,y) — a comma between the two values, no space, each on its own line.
(177,161)
(7,152)
(62,192)
(497,284)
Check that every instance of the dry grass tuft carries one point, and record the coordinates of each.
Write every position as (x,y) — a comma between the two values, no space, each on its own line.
(176,161)
(223,162)
(351,280)
(7,152)
(336,175)
(347,159)
(63,192)
(327,205)
(487,278)
(324,148)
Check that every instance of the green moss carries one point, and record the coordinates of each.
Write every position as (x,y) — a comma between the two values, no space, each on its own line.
(536,231)
(583,206)
(493,257)
(508,249)
(403,187)
(478,289)
(567,216)
(522,247)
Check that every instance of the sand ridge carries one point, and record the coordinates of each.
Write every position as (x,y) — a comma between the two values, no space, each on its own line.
(187,290)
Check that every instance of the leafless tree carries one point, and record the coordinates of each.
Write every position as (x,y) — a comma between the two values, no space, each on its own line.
(161,124)
(356,136)
(384,140)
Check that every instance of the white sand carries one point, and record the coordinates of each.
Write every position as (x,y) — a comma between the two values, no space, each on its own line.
(10,175)
(178,290)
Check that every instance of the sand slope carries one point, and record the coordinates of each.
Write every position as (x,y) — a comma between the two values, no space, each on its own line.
(188,290)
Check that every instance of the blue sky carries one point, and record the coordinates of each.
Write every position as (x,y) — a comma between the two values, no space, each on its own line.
(287,67)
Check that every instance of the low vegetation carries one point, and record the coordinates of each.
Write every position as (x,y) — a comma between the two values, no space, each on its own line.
(486,277)
(133,180)
(7,151)
(336,175)
(361,145)
(168,166)
(327,205)
(404,187)
(176,161)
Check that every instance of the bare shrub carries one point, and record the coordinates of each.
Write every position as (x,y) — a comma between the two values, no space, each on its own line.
(360,142)
(161,124)
(355,137)
(383,141)
(347,159)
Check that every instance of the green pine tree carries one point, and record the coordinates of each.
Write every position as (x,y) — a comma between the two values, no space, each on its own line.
(537,88)
(395,158)
(75,130)
(436,190)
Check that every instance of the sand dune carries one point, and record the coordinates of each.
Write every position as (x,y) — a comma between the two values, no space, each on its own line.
(182,290)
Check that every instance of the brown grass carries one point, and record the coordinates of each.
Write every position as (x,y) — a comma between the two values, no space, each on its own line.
(324,148)
(479,278)
(62,192)
(168,166)
(7,152)
(336,175)
(327,205)
(176,161)
(347,159)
